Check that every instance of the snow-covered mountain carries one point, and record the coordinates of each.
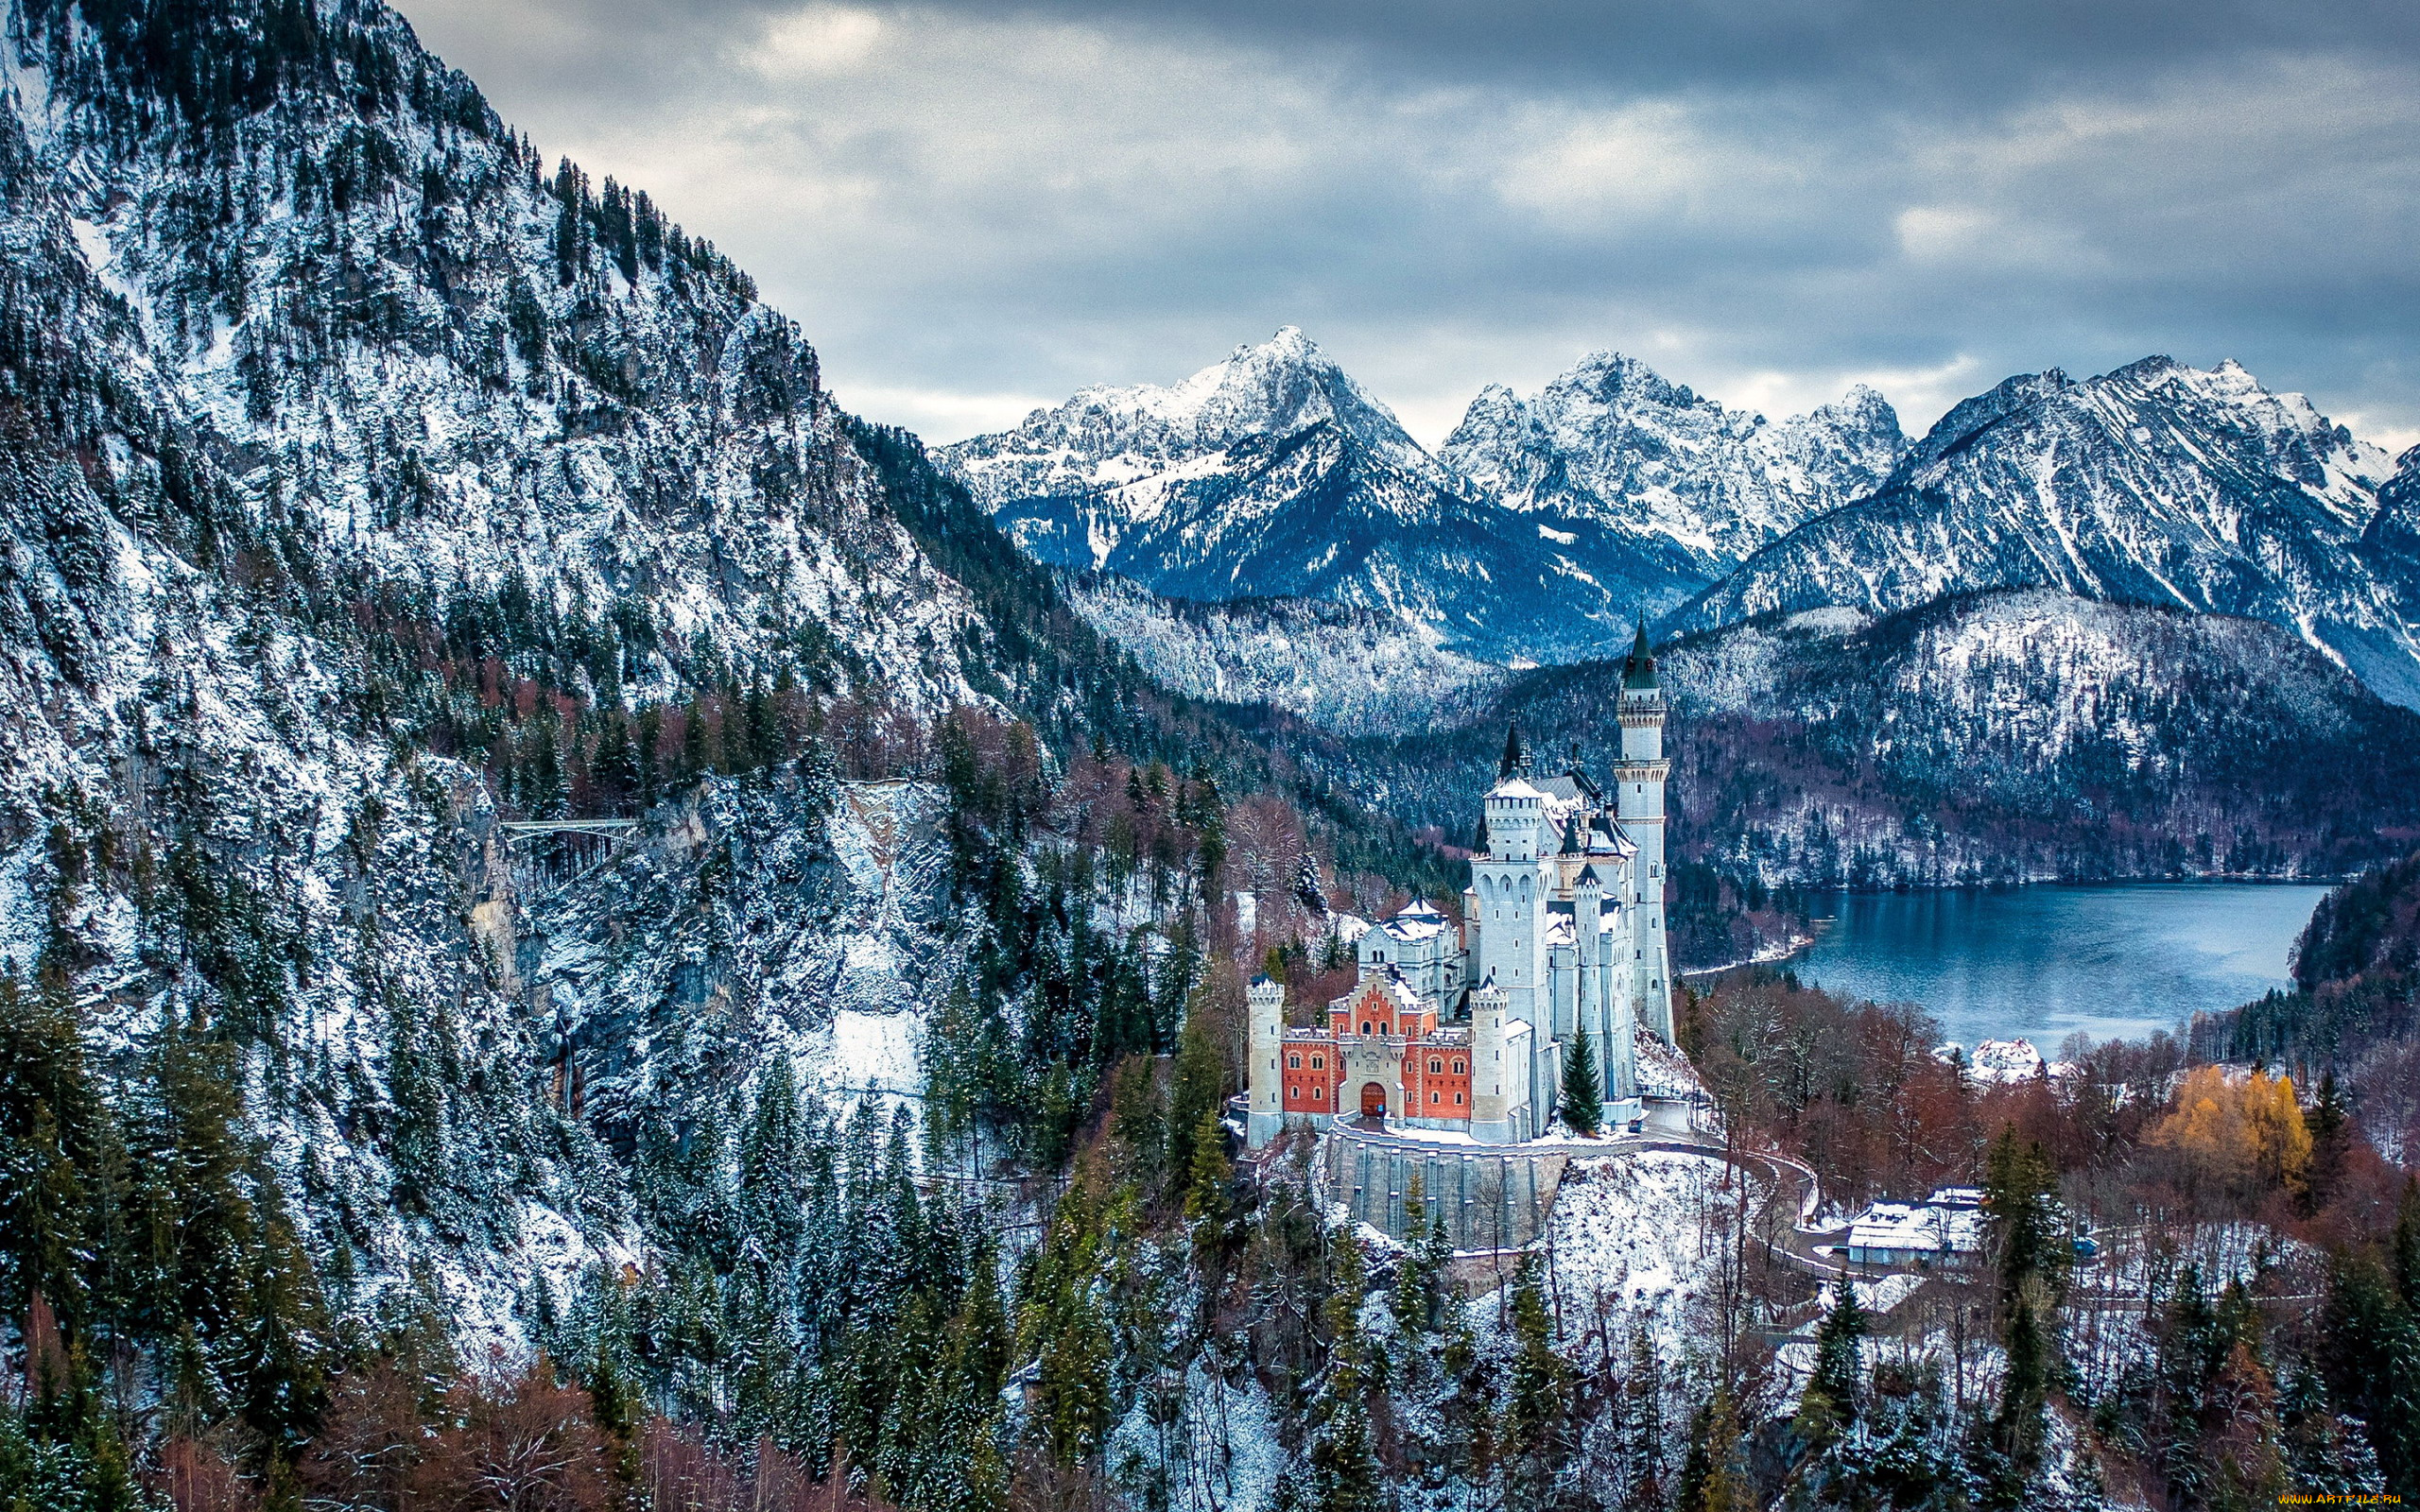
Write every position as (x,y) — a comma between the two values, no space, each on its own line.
(1273,474)
(365,482)
(1343,668)
(2153,484)
(1661,490)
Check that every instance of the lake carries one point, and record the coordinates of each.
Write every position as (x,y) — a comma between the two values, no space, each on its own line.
(2043,961)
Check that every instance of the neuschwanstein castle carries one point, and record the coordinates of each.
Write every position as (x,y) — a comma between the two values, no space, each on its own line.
(1463,1028)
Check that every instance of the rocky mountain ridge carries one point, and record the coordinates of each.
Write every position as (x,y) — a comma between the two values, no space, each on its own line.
(1669,489)
(1273,474)
(2153,484)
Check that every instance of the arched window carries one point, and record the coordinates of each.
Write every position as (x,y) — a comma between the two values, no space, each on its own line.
(1365,1026)
(1457,1099)
(1319,1094)
(1458,1068)
(1435,1066)
(1435,1097)
(1317,1061)
(1294,1063)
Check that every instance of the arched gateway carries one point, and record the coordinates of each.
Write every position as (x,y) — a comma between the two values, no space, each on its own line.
(1374,1100)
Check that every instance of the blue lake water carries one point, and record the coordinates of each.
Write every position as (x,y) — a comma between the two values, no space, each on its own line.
(2045,961)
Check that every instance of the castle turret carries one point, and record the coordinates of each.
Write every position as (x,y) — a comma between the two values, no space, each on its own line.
(1638,786)
(1266,1037)
(1497,1079)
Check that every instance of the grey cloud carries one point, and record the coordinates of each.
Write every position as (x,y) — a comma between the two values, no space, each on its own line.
(972,206)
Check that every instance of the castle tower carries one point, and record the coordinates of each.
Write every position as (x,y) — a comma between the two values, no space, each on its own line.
(1511,883)
(1265,1039)
(1638,786)
(1498,1082)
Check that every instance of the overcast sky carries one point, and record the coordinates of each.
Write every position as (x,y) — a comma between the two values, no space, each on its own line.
(976,207)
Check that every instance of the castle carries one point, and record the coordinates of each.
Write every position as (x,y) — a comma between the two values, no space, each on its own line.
(1465,1029)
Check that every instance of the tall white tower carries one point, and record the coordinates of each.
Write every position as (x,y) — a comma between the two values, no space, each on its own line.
(1512,883)
(1265,1040)
(1639,801)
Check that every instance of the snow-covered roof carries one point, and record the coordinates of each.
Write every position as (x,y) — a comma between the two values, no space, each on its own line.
(1513,787)
(1918,1225)
(1569,788)
(1417,923)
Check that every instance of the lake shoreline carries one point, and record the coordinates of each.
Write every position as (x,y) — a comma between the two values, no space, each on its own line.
(2041,961)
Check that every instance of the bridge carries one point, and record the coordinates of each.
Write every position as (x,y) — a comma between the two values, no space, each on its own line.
(579,848)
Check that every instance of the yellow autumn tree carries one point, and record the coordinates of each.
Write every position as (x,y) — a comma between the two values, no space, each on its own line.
(2248,1134)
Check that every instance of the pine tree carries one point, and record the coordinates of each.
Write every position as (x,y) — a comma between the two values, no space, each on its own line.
(1715,1479)
(1195,1083)
(1584,1089)
(1209,1195)
(1538,1396)
(1643,1451)
(1829,1403)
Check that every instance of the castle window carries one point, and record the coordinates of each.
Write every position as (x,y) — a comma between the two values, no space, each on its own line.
(1365,1026)
(1317,1061)
(1319,1094)
(1457,1099)
(1294,1063)
(1458,1068)
(1435,1066)
(1435,1097)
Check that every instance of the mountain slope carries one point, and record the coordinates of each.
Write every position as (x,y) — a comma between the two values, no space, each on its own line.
(1272,474)
(2154,484)
(1340,667)
(367,487)
(1664,489)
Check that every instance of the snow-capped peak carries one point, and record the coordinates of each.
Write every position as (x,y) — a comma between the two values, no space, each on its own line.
(1613,446)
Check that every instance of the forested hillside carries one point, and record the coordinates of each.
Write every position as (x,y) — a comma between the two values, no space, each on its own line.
(2354,1012)
(370,485)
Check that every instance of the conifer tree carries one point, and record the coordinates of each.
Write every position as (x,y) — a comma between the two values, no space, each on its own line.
(1538,1399)
(1643,1451)
(1829,1403)
(1715,1477)
(1584,1089)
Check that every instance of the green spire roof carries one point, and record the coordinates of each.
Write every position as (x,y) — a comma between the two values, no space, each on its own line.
(1638,669)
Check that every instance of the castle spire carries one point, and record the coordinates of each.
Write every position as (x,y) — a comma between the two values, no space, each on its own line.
(1639,668)
(1515,761)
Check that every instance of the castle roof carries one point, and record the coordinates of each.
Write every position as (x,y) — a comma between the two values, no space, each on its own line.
(1516,760)
(1418,921)
(1570,787)
(1513,787)
(1639,668)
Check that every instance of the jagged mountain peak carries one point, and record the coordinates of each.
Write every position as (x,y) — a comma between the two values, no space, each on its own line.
(2155,482)
(1276,388)
(1667,488)
(1273,472)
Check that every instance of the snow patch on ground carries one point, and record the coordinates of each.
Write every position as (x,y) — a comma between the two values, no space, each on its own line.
(1646,1233)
